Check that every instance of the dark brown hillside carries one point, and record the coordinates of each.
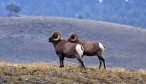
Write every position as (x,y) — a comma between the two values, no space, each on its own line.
(24,40)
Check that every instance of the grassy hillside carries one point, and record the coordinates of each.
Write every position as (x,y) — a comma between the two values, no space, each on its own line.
(52,74)
(24,40)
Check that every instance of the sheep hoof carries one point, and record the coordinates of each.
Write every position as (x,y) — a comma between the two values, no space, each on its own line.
(82,67)
(61,66)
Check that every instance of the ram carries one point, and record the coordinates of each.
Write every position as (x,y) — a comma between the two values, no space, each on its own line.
(66,49)
(90,48)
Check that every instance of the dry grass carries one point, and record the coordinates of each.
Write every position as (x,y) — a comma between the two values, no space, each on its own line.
(52,74)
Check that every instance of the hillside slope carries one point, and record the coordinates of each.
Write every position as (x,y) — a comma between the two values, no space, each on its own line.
(24,40)
(130,12)
(70,74)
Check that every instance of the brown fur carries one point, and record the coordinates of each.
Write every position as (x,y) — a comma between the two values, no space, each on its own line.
(64,49)
(90,48)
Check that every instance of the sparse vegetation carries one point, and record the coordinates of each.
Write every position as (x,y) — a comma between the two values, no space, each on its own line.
(80,16)
(13,9)
(52,74)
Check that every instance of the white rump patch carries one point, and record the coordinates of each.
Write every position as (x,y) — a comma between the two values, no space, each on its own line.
(101,47)
(80,50)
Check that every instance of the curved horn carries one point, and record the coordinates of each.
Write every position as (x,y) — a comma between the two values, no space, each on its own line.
(73,37)
(56,35)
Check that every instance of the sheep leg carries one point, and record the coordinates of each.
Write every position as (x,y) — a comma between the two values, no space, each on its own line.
(81,62)
(100,61)
(103,60)
(61,61)
(100,64)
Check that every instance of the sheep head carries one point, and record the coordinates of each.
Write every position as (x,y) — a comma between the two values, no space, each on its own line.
(73,38)
(54,37)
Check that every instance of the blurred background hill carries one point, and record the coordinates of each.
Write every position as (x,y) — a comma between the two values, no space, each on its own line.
(130,12)
(25,40)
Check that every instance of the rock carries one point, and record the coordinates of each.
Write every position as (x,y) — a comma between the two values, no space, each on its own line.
(85,72)
(2,80)
(19,79)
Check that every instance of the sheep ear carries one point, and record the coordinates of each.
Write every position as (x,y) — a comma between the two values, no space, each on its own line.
(56,35)
(73,37)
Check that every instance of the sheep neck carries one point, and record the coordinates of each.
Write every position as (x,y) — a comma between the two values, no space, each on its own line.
(56,42)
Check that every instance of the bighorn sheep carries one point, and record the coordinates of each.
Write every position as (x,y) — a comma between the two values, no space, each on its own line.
(66,49)
(90,48)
